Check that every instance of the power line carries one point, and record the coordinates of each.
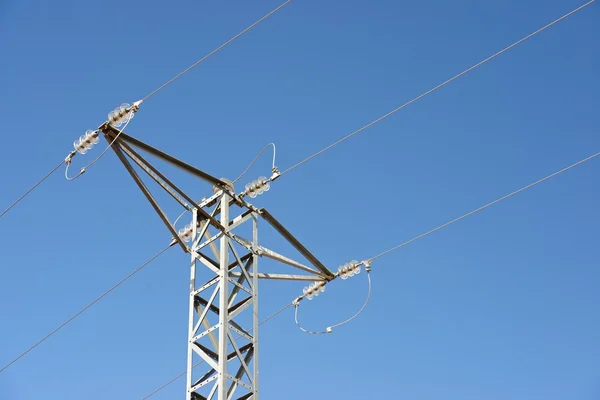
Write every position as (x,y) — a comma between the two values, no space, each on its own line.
(404,244)
(214,51)
(393,112)
(302,162)
(486,206)
(162,87)
(200,362)
(135,271)
(413,240)
(356,132)
(31,189)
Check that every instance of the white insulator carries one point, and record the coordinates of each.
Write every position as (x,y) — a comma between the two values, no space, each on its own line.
(86,141)
(120,115)
(317,288)
(257,187)
(251,189)
(185,233)
(264,183)
(349,269)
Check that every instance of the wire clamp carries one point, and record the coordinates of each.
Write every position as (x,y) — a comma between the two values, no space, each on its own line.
(136,105)
(276,174)
(69,158)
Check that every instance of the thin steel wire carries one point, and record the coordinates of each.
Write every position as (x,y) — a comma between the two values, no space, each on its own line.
(399,246)
(486,206)
(200,362)
(356,132)
(32,188)
(256,158)
(339,323)
(77,314)
(214,51)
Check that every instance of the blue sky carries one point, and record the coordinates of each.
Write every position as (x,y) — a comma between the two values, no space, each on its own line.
(502,305)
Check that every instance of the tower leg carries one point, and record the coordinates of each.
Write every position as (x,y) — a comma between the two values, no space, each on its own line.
(227,350)
(223,301)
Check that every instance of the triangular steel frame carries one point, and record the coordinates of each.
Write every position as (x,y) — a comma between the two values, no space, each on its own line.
(228,348)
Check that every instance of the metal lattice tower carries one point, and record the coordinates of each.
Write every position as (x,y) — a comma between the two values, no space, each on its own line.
(224,251)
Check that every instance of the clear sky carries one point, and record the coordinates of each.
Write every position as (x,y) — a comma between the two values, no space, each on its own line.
(503,305)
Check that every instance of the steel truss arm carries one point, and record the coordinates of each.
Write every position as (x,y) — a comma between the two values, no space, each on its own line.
(281,277)
(159,178)
(166,157)
(264,252)
(228,347)
(296,243)
(117,149)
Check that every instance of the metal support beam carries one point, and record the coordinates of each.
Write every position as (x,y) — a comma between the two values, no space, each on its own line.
(166,157)
(223,302)
(296,243)
(232,367)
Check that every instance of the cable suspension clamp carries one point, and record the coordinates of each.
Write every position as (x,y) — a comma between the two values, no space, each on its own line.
(70,156)
(276,174)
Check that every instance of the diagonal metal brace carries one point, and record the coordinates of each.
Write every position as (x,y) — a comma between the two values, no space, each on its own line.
(166,157)
(296,243)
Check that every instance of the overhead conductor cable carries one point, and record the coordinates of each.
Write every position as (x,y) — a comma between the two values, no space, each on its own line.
(405,105)
(221,47)
(84,309)
(31,189)
(68,159)
(466,71)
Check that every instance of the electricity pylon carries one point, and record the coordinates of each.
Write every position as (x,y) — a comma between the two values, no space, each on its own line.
(224,278)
